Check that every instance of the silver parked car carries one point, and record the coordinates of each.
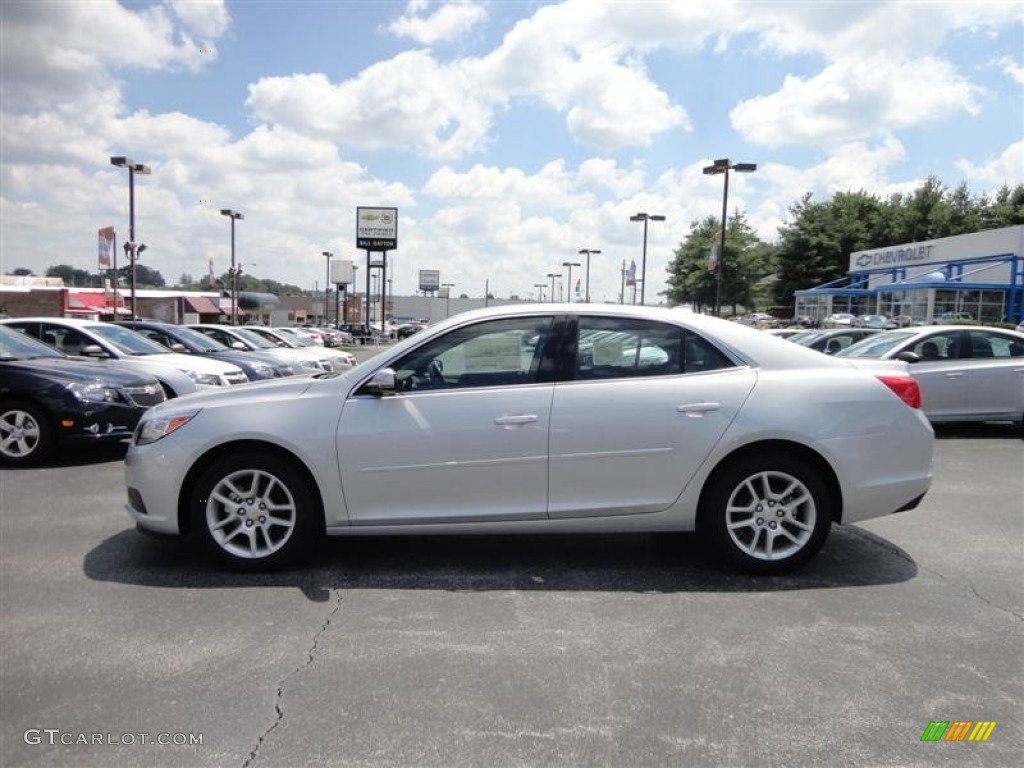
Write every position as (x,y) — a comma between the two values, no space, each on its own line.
(178,374)
(966,373)
(495,421)
(251,338)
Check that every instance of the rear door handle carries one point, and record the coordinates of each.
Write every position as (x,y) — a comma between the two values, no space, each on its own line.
(696,409)
(516,421)
(953,375)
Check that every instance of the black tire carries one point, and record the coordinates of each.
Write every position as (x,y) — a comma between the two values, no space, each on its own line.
(27,434)
(230,505)
(768,515)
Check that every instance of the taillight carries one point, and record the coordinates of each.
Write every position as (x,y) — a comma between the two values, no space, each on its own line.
(905,388)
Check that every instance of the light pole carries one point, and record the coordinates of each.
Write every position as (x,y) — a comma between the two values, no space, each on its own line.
(724,166)
(327,289)
(570,265)
(447,297)
(645,217)
(553,275)
(355,286)
(587,251)
(233,272)
(135,249)
(540,290)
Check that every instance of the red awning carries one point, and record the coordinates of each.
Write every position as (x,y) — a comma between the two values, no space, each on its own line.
(202,305)
(91,303)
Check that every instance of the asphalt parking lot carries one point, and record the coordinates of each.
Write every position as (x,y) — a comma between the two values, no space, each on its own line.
(531,651)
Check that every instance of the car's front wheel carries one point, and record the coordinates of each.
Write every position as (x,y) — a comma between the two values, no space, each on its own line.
(768,515)
(254,511)
(26,433)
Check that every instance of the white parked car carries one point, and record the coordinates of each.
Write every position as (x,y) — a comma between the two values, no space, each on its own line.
(966,373)
(494,421)
(253,338)
(178,374)
(292,338)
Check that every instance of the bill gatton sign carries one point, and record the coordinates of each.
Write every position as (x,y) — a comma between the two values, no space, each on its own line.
(377,229)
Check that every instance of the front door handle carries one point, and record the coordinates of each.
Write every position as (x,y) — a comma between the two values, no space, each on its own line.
(696,409)
(516,421)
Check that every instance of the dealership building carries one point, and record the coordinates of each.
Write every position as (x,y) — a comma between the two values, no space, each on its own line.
(981,274)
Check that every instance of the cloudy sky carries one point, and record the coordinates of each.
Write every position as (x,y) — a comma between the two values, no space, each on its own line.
(509,135)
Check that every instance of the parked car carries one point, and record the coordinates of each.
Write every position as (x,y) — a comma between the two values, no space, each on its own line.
(966,373)
(880,322)
(492,421)
(406,330)
(177,338)
(48,399)
(288,338)
(832,340)
(254,339)
(954,317)
(178,374)
(783,333)
(838,320)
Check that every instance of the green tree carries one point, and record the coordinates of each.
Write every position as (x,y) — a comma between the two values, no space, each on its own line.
(70,275)
(746,261)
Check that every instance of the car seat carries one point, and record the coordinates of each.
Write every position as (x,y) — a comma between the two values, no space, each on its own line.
(834,345)
(929,351)
(980,347)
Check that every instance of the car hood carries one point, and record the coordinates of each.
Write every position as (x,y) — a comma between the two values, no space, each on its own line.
(80,371)
(259,393)
(191,363)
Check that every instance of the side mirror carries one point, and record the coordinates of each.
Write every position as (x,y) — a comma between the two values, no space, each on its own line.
(908,357)
(239,346)
(179,348)
(93,350)
(382,384)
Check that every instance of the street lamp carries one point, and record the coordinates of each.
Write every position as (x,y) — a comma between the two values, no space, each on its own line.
(355,287)
(644,217)
(447,297)
(133,168)
(587,251)
(724,166)
(327,289)
(233,272)
(553,275)
(540,290)
(570,265)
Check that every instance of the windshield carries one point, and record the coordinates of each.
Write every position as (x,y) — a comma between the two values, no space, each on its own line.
(294,338)
(254,338)
(15,345)
(878,345)
(128,341)
(197,340)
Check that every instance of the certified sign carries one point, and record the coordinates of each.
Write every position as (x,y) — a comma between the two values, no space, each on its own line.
(377,229)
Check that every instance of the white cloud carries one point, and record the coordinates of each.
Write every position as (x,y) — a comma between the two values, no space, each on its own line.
(1005,168)
(854,99)
(449,22)
(207,18)
(1012,68)
(68,51)
(409,102)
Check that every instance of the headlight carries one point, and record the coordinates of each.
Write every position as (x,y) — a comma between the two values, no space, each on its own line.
(152,429)
(263,371)
(210,379)
(94,393)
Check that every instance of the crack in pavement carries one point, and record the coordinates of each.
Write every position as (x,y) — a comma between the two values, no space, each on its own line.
(278,712)
(893,549)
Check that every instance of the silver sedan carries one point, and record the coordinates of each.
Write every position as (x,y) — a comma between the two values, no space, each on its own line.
(966,373)
(544,418)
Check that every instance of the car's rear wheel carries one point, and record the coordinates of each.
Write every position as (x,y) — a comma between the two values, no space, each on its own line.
(768,515)
(254,511)
(26,433)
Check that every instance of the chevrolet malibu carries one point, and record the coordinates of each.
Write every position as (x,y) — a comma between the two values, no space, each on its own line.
(550,418)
